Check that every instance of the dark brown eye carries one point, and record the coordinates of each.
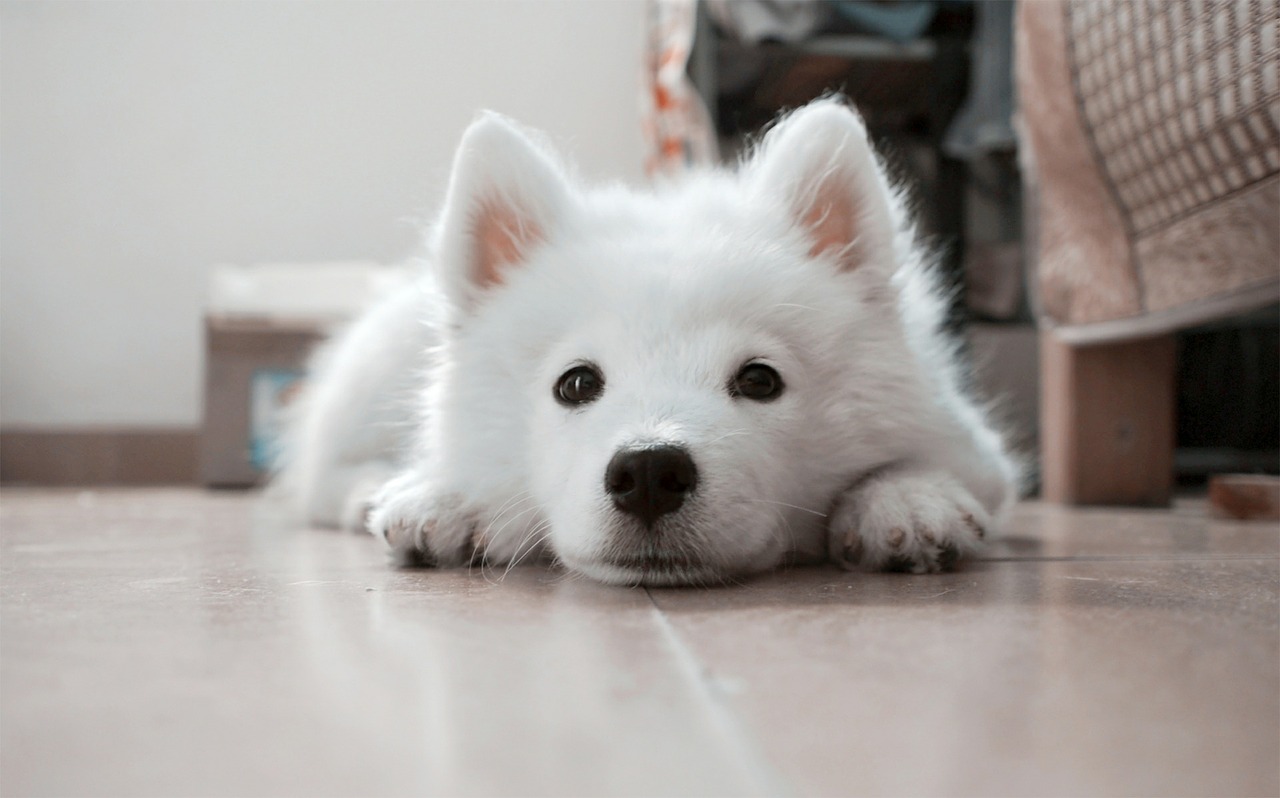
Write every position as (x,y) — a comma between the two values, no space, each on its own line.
(758,382)
(579,385)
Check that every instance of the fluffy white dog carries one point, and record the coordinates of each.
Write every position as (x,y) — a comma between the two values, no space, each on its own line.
(683,385)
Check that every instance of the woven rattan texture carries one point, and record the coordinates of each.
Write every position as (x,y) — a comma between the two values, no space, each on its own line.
(1180,99)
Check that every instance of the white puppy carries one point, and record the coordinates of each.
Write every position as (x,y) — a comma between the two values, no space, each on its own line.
(677,386)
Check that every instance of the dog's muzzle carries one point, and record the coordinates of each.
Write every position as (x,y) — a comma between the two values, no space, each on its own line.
(649,483)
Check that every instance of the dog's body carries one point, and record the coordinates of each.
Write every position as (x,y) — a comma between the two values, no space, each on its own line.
(680,386)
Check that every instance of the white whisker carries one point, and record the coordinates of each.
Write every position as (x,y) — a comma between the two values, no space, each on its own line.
(729,435)
(529,538)
(794,305)
(490,540)
(510,504)
(792,506)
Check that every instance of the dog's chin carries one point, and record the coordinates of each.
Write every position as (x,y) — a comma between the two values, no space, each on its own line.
(654,571)
(667,556)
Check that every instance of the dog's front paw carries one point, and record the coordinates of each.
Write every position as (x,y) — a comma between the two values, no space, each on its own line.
(421,528)
(911,521)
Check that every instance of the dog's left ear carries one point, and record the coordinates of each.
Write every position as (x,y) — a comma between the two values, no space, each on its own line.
(818,161)
(507,194)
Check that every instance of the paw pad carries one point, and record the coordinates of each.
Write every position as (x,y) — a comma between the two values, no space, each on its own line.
(412,558)
(947,556)
(898,564)
(853,551)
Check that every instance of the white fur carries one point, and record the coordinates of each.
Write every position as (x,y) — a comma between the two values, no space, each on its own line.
(871,455)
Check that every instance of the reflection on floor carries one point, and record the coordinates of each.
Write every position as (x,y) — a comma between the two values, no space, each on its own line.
(174,642)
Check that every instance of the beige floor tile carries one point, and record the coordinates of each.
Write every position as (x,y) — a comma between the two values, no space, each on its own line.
(166,642)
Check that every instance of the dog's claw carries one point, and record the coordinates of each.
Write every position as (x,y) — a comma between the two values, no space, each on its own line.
(916,522)
(972,523)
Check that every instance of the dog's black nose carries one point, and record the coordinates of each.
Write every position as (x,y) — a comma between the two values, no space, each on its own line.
(649,483)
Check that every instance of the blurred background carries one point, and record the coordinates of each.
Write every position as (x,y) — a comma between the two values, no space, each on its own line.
(192,193)
(146,142)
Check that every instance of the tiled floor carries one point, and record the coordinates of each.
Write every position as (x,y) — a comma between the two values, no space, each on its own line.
(173,642)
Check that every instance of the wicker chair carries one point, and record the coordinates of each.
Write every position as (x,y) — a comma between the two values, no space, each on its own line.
(1151,144)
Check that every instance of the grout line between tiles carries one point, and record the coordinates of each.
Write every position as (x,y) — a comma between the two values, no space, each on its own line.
(726,721)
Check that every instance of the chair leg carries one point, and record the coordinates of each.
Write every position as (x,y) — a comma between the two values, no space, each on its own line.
(1107,421)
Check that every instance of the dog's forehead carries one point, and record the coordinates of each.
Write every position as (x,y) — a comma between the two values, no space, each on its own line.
(690,283)
(668,323)
(708,213)
(677,257)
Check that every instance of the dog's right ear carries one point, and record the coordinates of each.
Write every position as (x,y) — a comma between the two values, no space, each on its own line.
(506,196)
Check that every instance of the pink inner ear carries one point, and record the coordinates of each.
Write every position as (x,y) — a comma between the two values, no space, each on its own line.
(503,237)
(831,219)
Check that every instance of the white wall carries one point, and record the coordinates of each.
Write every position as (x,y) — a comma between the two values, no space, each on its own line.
(141,142)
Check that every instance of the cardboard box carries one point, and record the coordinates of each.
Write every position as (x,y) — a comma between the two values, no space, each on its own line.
(261,326)
(253,367)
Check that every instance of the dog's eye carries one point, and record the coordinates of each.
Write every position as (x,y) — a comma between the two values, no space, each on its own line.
(757,381)
(579,385)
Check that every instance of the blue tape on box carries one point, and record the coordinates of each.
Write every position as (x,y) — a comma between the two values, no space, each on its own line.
(270,392)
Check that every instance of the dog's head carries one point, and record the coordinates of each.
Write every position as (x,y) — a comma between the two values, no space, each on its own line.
(671,375)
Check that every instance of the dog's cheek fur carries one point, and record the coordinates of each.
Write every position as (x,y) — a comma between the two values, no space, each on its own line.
(563,476)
